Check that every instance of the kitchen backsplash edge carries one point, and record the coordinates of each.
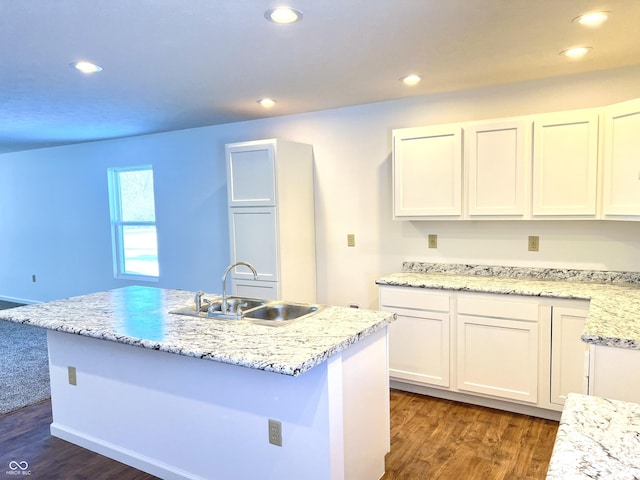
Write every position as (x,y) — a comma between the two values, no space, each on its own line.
(599,276)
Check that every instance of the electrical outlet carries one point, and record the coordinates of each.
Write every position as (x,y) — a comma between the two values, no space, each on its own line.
(534,243)
(275,432)
(33,278)
(72,375)
(351,240)
(433,241)
(354,305)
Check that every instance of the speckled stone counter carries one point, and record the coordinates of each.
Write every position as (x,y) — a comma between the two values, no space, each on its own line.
(614,309)
(140,316)
(597,438)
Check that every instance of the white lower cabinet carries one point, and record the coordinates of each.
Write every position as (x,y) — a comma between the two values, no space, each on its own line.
(419,339)
(568,354)
(497,348)
(513,352)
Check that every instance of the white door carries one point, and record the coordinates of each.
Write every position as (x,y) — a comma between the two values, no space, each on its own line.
(498,357)
(567,353)
(622,159)
(427,171)
(419,348)
(565,162)
(251,174)
(497,155)
(255,289)
(254,240)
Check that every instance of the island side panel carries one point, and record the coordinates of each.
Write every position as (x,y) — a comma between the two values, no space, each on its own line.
(366,408)
(181,417)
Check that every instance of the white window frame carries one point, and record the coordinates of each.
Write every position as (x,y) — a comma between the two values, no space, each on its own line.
(117,225)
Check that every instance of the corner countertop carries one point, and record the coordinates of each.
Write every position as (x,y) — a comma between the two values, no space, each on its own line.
(139,316)
(597,438)
(614,309)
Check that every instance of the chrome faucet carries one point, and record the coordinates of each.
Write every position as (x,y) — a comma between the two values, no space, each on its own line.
(224,307)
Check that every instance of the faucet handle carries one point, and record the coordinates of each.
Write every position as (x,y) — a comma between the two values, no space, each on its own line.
(198,300)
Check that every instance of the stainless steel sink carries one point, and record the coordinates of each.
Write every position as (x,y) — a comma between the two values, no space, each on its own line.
(281,312)
(235,304)
(257,310)
(213,308)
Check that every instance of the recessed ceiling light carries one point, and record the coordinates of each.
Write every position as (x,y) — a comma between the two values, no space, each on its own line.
(592,19)
(577,52)
(283,15)
(86,67)
(267,102)
(411,80)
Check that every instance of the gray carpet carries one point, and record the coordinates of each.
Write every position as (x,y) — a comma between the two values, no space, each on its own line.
(24,365)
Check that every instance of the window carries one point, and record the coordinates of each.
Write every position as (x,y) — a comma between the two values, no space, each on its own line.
(133,222)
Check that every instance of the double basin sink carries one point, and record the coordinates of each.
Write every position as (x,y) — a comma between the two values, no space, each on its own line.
(269,312)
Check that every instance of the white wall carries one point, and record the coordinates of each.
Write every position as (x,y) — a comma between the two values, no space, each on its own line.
(55,220)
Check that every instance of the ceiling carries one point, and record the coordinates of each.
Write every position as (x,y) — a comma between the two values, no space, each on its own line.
(174,64)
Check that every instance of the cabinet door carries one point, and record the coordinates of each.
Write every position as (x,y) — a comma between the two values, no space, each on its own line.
(419,338)
(622,159)
(565,161)
(419,348)
(567,353)
(251,179)
(498,357)
(427,171)
(255,288)
(247,224)
(497,155)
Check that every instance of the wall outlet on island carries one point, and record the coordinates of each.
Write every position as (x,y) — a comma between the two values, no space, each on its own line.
(72,375)
(275,432)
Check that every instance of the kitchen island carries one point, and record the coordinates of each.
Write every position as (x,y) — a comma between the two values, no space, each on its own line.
(196,399)
(597,438)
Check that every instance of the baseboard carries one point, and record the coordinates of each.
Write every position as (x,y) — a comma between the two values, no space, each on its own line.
(19,300)
(476,400)
(123,455)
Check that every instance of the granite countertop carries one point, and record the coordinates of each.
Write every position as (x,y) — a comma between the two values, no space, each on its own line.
(614,308)
(140,316)
(597,438)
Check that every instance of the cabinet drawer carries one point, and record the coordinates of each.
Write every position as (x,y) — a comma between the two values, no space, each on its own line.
(414,298)
(489,307)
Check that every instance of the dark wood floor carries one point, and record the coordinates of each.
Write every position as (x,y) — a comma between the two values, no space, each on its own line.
(430,439)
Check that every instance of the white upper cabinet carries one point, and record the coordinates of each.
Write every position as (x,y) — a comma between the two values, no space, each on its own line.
(565,164)
(427,171)
(498,158)
(622,160)
(251,174)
